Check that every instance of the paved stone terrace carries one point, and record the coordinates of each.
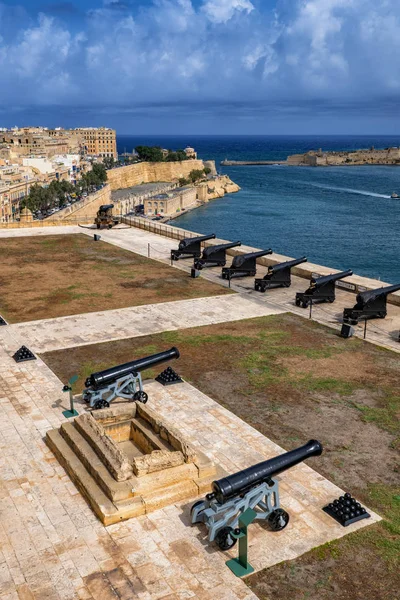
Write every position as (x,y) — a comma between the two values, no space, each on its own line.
(51,544)
(90,328)
(53,547)
(50,334)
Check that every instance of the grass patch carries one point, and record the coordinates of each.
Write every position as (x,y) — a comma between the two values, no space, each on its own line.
(385,417)
(326,384)
(69,274)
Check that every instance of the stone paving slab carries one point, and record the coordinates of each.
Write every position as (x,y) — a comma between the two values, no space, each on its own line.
(89,328)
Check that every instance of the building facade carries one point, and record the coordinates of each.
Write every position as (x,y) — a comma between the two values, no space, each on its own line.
(99,141)
(171,203)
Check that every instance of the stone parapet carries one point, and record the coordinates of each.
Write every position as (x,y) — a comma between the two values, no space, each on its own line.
(306,270)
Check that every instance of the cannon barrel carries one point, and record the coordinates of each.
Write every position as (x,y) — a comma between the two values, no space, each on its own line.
(241,482)
(364,297)
(189,241)
(333,277)
(286,265)
(242,258)
(106,207)
(102,378)
(211,249)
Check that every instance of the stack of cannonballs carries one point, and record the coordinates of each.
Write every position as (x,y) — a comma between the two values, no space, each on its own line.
(168,377)
(346,510)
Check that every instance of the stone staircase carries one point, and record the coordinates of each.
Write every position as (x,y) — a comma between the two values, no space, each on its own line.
(114,501)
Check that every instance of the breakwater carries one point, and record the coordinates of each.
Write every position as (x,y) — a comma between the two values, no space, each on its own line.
(235,163)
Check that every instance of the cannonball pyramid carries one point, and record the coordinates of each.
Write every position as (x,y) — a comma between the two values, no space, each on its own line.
(23,354)
(168,377)
(2,321)
(346,510)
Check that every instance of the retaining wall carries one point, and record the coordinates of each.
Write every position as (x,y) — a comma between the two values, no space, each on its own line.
(145,172)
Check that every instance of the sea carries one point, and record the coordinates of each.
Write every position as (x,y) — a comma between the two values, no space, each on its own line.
(340,217)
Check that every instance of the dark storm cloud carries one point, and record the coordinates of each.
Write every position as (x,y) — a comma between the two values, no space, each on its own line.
(212,58)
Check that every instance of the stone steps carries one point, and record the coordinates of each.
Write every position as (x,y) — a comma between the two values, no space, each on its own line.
(113,501)
(101,505)
(113,489)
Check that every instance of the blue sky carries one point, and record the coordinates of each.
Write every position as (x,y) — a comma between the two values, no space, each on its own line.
(202,66)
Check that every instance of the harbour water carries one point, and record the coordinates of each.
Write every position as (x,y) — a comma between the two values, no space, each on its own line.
(342,217)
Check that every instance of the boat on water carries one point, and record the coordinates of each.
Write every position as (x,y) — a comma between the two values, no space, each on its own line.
(395,196)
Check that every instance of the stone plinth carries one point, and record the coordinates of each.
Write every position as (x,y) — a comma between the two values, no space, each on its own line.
(128,461)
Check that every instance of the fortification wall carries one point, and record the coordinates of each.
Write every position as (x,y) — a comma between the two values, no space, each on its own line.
(145,172)
(85,208)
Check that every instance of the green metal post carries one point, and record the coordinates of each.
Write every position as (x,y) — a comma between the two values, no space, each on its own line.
(240,565)
(68,388)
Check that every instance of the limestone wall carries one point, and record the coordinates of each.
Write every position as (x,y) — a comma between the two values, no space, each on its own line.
(85,208)
(144,172)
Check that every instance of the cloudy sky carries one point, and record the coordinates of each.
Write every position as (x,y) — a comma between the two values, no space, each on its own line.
(202,66)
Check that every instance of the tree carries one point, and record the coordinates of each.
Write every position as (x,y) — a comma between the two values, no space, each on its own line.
(207,170)
(195,175)
(183,181)
(109,162)
(150,153)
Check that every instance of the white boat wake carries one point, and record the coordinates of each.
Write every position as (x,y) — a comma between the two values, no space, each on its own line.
(349,190)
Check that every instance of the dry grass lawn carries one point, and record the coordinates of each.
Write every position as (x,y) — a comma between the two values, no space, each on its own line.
(54,276)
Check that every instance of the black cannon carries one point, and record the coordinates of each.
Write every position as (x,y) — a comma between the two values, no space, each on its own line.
(370,304)
(190,247)
(123,381)
(104,217)
(214,256)
(254,488)
(278,275)
(322,289)
(244,264)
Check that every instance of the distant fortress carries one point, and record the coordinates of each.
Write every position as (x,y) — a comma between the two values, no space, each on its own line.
(388,156)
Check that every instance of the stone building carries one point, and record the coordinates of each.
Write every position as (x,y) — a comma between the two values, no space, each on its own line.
(11,194)
(33,141)
(99,141)
(171,202)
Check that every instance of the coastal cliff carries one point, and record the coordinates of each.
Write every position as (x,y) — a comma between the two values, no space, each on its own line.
(219,186)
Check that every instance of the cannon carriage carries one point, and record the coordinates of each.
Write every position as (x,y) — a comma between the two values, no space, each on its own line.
(254,488)
(278,275)
(122,381)
(321,289)
(104,217)
(371,304)
(214,256)
(190,247)
(244,264)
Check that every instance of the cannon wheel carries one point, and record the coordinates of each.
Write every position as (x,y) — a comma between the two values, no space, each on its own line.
(297,302)
(140,397)
(330,300)
(278,519)
(98,225)
(304,304)
(195,505)
(224,539)
(101,404)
